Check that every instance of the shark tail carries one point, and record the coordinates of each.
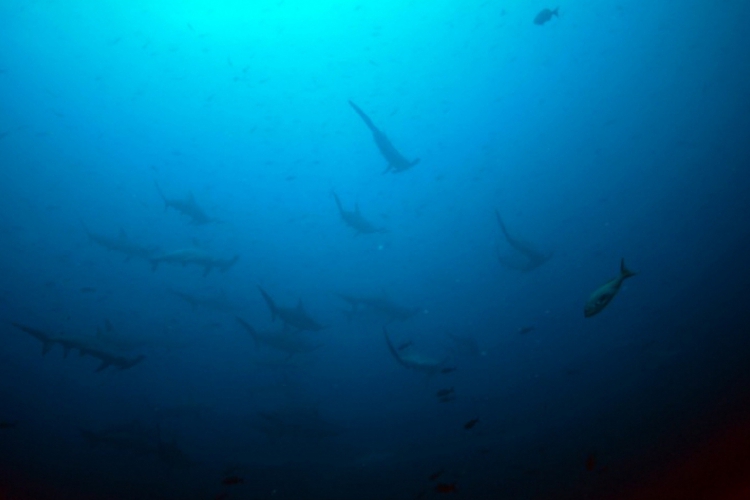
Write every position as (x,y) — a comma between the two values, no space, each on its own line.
(364,117)
(624,271)
(247,326)
(391,347)
(270,302)
(502,225)
(338,202)
(555,12)
(46,346)
(161,195)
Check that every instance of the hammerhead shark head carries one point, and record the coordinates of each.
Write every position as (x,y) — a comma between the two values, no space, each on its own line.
(396,161)
(429,366)
(288,342)
(121,244)
(355,220)
(531,258)
(291,316)
(188,207)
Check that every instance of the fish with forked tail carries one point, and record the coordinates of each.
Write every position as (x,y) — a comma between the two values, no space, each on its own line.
(605,293)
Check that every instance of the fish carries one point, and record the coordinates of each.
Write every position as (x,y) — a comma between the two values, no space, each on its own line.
(545,15)
(291,316)
(603,295)
(527,258)
(286,341)
(428,366)
(6,424)
(435,475)
(396,161)
(378,305)
(188,207)
(471,423)
(355,220)
(121,244)
(526,329)
(196,257)
(448,369)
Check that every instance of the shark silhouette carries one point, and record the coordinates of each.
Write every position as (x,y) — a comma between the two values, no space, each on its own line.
(396,161)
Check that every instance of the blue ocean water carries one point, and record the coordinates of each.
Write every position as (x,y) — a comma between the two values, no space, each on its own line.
(412,349)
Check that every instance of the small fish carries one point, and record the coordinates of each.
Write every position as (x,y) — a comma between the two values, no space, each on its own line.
(448,369)
(546,15)
(526,329)
(87,289)
(447,399)
(4,425)
(471,423)
(445,392)
(605,293)
(446,488)
(435,475)
(231,480)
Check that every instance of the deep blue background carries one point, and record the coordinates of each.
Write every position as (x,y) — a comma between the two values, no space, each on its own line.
(617,130)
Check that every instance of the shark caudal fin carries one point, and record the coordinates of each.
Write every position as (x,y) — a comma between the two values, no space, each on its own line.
(391,348)
(161,195)
(624,271)
(270,302)
(247,326)
(364,117)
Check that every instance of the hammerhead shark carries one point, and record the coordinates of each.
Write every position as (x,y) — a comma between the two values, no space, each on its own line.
(121,244)
(531,258)
(218,303)
(196,257)
(356,220)
(396,161)
(86,346)
(188,207)
(288,342)
(429,366)
(380,306)
(291,316)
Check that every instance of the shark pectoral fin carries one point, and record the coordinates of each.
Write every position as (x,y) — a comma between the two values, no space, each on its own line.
(154,265)
(102,367)
(388,168)
(46,346)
